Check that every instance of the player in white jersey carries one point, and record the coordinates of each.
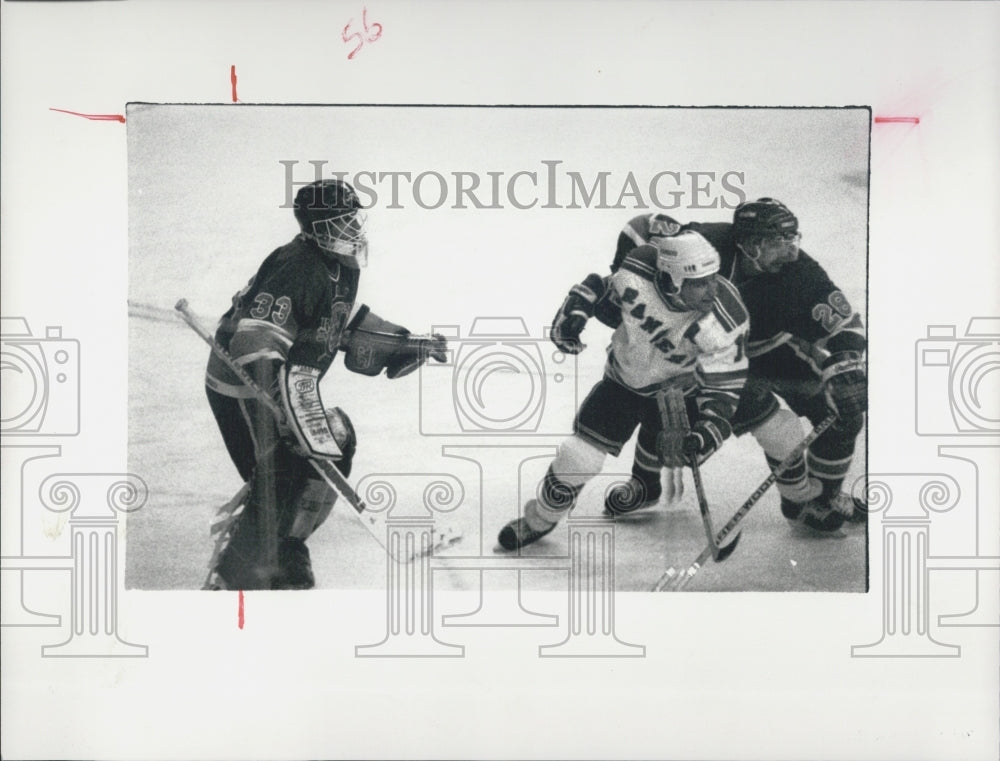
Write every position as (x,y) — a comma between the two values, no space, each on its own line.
(678,323)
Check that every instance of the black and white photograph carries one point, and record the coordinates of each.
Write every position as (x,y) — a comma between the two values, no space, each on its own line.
(461,285)
(481,380)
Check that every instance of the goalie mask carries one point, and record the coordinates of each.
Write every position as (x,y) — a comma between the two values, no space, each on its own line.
(330,214)
(687,257)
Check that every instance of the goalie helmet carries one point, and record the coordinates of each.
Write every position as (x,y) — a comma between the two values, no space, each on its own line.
(685,256)
(330,214)
(763,218)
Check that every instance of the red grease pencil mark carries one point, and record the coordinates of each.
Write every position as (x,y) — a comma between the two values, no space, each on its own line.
(94,117)
(239,614)
(897,120)
(232,78)
(372,32)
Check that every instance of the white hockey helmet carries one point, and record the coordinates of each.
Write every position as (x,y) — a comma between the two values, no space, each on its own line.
(685,256)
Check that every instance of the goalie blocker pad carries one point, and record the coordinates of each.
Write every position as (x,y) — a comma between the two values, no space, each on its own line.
(306,416)
(374,344)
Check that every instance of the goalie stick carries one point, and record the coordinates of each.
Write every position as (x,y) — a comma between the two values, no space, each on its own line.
(672,407)
(375,523)
(672,580)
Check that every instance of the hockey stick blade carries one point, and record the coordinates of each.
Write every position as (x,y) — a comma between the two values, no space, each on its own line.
(724,552)
(671,582)
(375,523)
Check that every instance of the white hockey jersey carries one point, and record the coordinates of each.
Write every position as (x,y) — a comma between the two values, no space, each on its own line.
(659,343)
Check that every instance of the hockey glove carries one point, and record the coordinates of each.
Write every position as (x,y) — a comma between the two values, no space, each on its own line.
(706,437)
(415,352)
(572,316)
(845,384)
(373,344)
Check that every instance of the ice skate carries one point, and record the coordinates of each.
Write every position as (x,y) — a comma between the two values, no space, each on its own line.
(854,510)
(520,531)
(818,515)
(295,567)
(631,496)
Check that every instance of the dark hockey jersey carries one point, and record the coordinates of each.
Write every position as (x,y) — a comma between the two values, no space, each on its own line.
(647,228)
(798,316)
(294,310)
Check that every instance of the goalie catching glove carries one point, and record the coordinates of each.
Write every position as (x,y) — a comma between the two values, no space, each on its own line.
(576,309)
(374,344)
(845,384)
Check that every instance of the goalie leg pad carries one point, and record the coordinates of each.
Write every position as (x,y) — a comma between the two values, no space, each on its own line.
(345,436)
(315,502)
(312,507)
(237,565)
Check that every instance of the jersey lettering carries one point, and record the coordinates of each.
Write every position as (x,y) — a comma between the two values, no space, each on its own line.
(339,313)
(663,227)
(261,306)
(284,308)
(651,324)
(834,312)
(664,345)
(741,347)
(323,331)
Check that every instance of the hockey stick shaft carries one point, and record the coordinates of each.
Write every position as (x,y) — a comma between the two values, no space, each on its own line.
(706,517)
(784,465)
(324,468)
(685,577)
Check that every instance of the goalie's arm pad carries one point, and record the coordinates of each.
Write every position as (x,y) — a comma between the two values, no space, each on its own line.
(305,415)
(372,344)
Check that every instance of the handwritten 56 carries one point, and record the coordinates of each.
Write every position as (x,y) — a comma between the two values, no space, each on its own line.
(371,33)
